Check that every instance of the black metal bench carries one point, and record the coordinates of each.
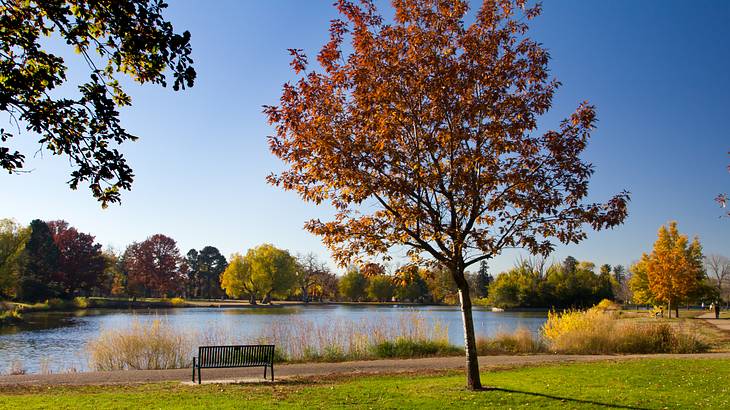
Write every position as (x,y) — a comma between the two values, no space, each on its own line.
(219,357)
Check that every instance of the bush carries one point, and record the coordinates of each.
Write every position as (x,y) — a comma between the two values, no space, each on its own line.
(81,302)
(9,317)
(521,341)
(596,331)
(56,304)
(606,304)
(177,302)
(405,348)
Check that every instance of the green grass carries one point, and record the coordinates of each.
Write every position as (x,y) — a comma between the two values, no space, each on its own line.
(645,384)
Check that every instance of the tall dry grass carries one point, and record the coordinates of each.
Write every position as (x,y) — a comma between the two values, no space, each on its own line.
(344,339)
(598,331)
(153,345)
(521,341)
(159,345)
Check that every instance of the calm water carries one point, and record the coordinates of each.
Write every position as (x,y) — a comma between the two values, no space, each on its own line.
(55,341)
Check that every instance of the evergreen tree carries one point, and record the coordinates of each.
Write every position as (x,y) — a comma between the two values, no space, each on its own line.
(40,265)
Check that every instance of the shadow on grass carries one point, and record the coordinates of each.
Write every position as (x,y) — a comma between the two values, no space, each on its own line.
(567,399)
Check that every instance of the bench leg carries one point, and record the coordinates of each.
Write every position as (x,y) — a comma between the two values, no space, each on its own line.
(272,372)
(193,370)
(199,377)
(265,372)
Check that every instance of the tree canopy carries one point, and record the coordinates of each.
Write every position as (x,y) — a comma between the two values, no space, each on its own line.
(112,36)
(423,132)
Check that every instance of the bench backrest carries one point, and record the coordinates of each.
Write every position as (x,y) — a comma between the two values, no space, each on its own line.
(235,356)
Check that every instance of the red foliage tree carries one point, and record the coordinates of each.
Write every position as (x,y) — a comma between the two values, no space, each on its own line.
(80,263)
(154,267)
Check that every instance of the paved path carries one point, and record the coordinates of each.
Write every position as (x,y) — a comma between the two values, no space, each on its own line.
(317,369)
(722,324)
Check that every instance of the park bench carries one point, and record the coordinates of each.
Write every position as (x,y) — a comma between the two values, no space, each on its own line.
(220,357)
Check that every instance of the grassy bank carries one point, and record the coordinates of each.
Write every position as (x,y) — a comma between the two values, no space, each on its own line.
(645,384)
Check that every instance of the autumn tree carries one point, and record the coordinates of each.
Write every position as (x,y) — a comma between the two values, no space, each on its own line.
(265,270)
(154,267)
(380,288)
(236,279)
(674,267)
(111,36)
(81,264)
(423,133)
(13,238)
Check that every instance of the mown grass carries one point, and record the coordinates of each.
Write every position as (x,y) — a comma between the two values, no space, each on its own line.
(639,384)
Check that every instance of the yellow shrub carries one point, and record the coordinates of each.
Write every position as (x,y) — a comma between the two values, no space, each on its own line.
(177,302)
(596,331)
(81,302)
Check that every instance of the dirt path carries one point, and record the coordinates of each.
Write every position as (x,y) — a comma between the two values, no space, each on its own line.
(315,369)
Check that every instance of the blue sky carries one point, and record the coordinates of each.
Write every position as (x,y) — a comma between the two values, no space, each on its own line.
(656,70)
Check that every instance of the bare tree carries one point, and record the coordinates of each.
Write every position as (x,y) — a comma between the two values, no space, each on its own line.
(718,270)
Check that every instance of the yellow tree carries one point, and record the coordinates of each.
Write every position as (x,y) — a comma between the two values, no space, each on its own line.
(236,279)
(422,132)
(674,267)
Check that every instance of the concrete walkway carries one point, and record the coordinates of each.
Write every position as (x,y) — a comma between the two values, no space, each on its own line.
(318,369)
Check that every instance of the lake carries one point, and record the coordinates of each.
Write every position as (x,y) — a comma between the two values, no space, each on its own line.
(55,341)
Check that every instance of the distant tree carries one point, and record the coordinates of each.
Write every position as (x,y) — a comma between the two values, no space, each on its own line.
(112,36)
(433,126)
(674,267)
(154,267)
(39,265)
(410,284)
(81,264)
(13,239)
(381,288)
(204,271)
(621,289)
(114,273)
(723,199)
(718,270)
(265,270)
(639,284)
(236,279)
(309,273)
(482,280)
(441,285)
(570,264)
(619,273)
(353,285)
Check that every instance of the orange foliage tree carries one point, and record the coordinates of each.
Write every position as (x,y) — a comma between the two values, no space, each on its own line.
(422,133)
(674,267)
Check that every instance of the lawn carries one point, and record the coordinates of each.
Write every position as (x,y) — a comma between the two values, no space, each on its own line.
(644,384)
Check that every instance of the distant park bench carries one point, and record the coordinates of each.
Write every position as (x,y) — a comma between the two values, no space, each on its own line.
(220,357)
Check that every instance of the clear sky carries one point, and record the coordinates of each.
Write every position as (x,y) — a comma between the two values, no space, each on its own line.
(658,72)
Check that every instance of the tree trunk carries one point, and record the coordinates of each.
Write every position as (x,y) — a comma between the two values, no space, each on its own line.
(267,298)
(717,309)
(305,295)
(473,381)
(252,298)
(676,311)
(669,309)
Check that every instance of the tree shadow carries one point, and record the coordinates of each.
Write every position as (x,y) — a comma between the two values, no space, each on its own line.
(567,399)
